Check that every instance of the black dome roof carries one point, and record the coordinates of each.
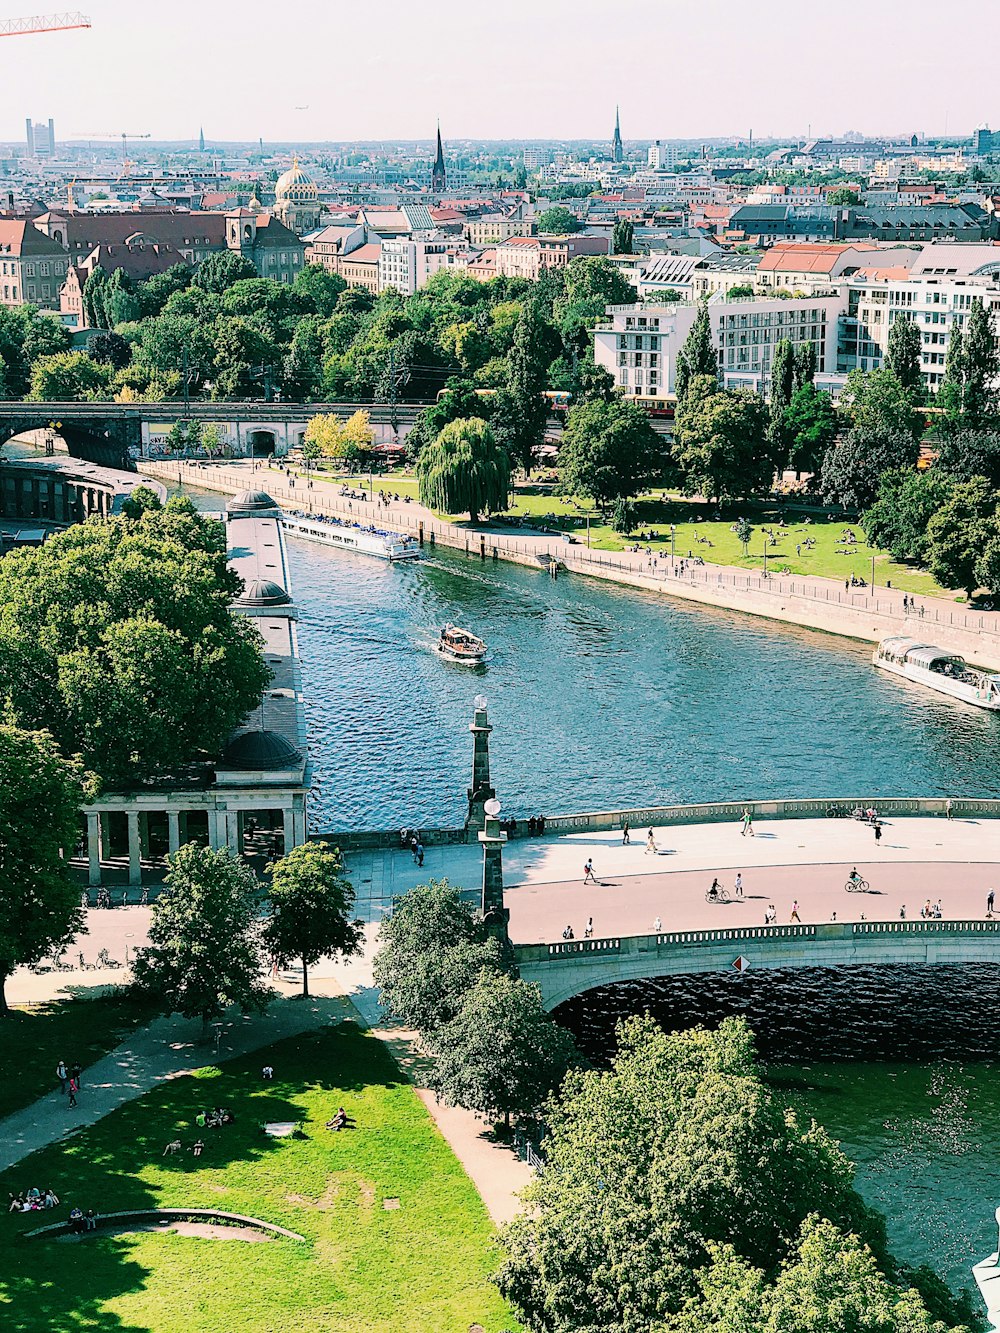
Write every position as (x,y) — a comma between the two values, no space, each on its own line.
(260,750)
(251,501)
(263,592)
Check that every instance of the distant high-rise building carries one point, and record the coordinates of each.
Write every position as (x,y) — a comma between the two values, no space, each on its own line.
(617,151)
(661,155)
(984,140)
(41,139)
(439,176)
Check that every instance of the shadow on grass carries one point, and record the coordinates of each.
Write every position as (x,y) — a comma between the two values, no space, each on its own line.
(118,1164)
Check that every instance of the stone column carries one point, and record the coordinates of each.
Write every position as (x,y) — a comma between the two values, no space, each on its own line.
(288,829)
(233,831)
(93,848)
(134,851)
(144,834)
(215,839)
(105,821)
(480,792)
(173,831)
(299,821)
(491,840)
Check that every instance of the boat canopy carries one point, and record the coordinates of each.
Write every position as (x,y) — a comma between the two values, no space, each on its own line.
(919,654)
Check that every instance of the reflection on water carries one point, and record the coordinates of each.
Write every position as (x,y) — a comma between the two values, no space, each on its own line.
(923,1134)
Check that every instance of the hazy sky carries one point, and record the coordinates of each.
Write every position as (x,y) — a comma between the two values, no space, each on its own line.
(386,69)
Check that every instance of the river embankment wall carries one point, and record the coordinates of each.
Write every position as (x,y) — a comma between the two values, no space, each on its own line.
(868,614)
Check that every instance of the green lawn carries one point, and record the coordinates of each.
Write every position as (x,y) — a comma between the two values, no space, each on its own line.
(32,1042)
(363,1268)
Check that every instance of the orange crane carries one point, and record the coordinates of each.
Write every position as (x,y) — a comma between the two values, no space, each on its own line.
(43,23)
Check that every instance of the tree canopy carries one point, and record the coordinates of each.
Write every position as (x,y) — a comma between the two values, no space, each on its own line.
(609,451)
(465,470)
(720,441)
(651,1214)
(558,221)
(204,949)
(40,797)
(116,635)
(854,465)
(698,356)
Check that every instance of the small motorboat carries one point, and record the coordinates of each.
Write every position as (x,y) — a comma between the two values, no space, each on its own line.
(459,645)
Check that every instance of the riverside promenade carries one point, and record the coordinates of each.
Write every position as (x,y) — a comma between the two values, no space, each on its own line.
(869,614)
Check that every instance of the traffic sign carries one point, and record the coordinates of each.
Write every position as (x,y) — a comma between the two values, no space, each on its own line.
(741,964)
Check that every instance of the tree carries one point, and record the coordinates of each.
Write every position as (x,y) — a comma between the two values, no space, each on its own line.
(805,365)
(906,502)
(853,466)
(987,568)
(40,798)
(843,197)
(782,386)
(980,366)
(877,404)
(349,440)
(204,951)
(110,349)
(69,377)
(829,1281)
(94,311)
(521,411)
(949,395)
(697,356)
(810,428)
(321,287)
(501,1054)
(743,291)
(903,356)
(744,531)
(311,900)
(459,400)
(622,237)
(590,285)
(557,221)
(431,950)
(219,271)
(118,638)
(609,451)
(654,1162)
(465,470)
(964,454)
(960,532)
(140,501)
(720,443)
(624,516)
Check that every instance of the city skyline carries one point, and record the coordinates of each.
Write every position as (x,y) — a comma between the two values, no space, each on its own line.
(525,74)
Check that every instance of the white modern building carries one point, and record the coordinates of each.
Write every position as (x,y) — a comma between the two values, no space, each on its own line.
(661,155)
(408,264)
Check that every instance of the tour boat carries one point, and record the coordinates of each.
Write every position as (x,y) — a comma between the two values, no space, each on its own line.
(460,646)
(948,673)
(363,537)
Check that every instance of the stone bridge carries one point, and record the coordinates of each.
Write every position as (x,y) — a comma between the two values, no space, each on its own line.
(570,967)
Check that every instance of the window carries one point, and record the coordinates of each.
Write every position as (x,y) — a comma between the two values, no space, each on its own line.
(29,270)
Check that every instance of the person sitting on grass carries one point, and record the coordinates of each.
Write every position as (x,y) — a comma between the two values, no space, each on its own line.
(198,1148)
(341,1121)
(172,1148)
(50,1199)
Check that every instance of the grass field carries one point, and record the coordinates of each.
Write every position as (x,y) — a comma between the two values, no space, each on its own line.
(363,1269)
(698,533)
(33,1041)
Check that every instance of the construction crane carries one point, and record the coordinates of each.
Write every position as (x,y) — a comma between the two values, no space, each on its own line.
(124,135)
(43,23)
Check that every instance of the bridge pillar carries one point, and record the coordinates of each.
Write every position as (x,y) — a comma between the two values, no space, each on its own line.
(480,792)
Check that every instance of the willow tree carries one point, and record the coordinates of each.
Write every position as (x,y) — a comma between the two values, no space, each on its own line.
(464,470)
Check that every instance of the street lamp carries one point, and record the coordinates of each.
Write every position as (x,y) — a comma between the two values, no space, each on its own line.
(765,557)
(873,571)
(673,534)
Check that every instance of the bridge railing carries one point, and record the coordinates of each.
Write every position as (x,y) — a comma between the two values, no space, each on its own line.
(673,939)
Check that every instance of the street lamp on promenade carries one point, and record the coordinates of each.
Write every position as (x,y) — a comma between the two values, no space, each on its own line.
(673,534)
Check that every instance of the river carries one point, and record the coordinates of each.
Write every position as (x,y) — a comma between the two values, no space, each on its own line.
(606,697)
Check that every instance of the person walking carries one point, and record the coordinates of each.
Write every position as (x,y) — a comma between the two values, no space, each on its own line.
(588,872)
(650,843)
(657,925)
(73,1085)
(795,912)
(625,832)
(947,808)
(420,853)
(62,1073)
(589,929)
(878,832)
(738,884)
(76,1072)
(989,903)
(747,823)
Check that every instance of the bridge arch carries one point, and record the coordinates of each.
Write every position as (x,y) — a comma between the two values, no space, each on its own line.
(570,968)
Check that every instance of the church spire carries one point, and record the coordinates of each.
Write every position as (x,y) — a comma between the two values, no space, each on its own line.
(438,174)
(617,151)
(201,140)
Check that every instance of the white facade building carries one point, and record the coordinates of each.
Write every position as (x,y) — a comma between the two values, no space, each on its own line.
(661,155)
(408,265)
(639,347)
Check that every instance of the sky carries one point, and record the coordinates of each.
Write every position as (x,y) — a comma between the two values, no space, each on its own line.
(547,69)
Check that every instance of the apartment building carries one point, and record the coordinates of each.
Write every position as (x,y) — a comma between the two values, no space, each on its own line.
(528,256)
(409,265)
(639,344)
(32,266)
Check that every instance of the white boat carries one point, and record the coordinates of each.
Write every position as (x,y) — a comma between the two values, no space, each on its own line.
(948,673)
(459,645)
(363,537)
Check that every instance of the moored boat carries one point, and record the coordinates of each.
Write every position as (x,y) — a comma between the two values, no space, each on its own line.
(459,645)
(365,538)
(948,673)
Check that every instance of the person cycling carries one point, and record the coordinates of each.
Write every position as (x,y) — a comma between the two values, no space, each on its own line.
(713,892)
(854,877)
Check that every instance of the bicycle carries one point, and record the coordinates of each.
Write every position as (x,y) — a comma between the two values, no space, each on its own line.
(720,895)
(836,812)
(857,885)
